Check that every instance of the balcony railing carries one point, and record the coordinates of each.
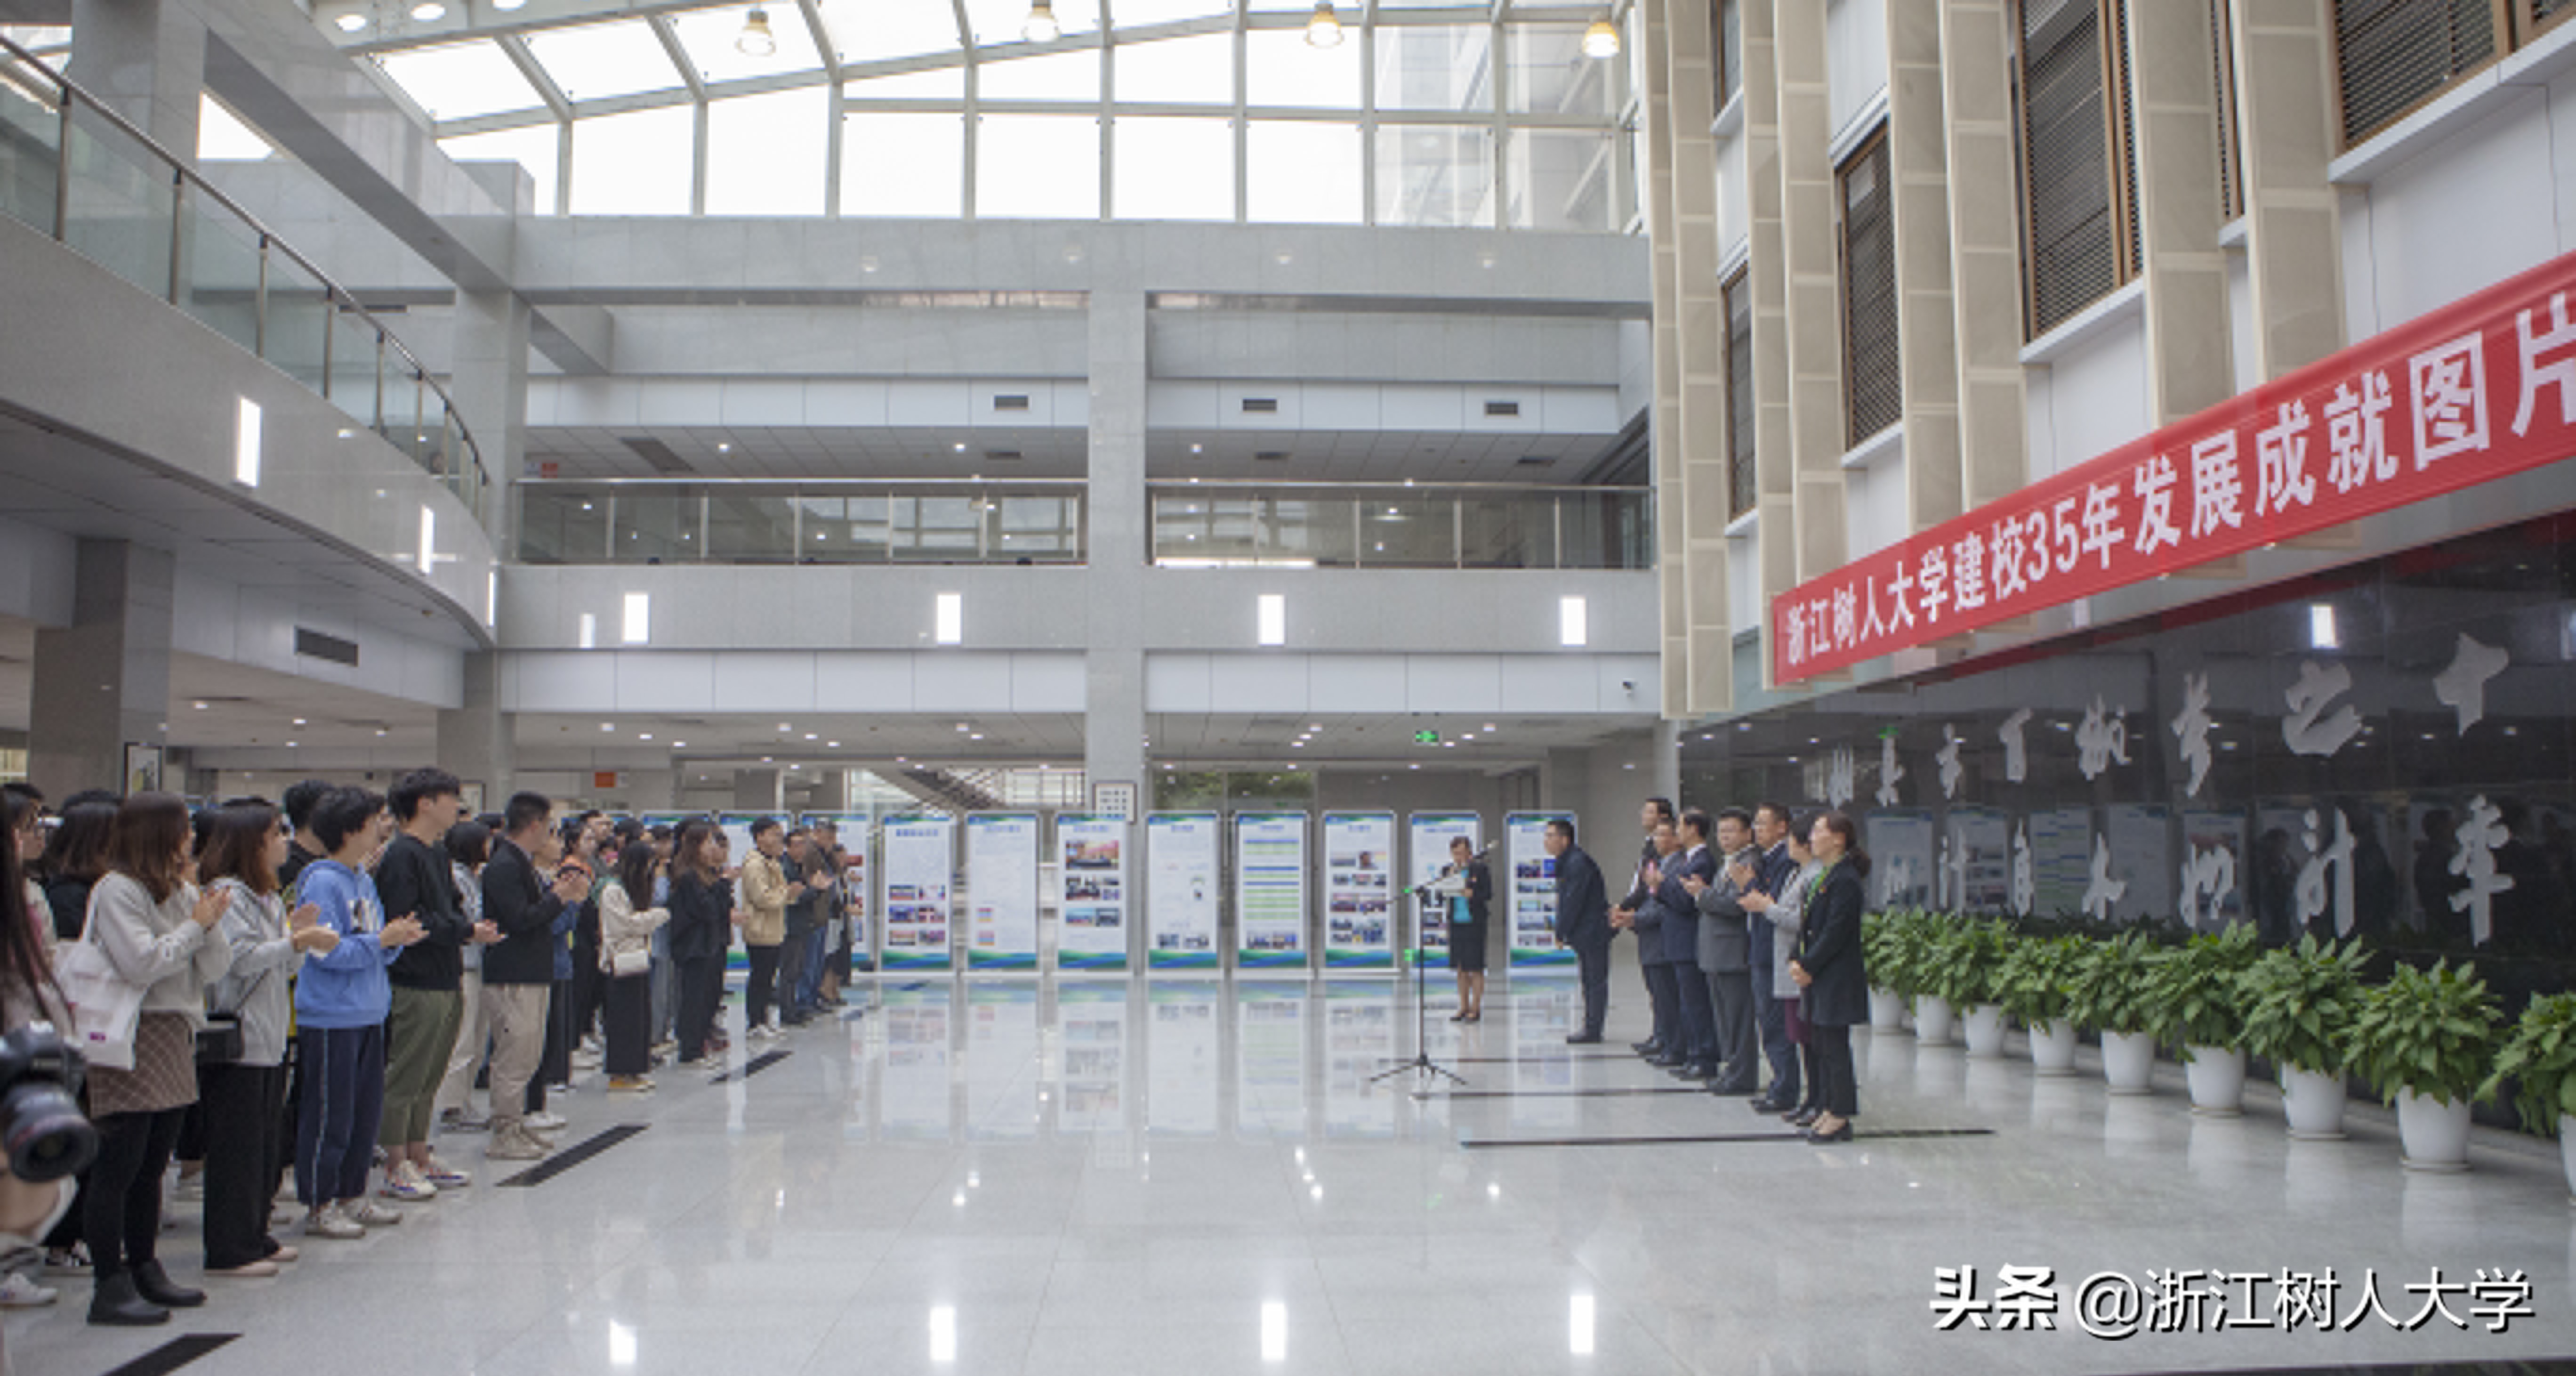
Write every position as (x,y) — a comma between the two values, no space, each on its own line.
(1402,525)
(882,521)
(73,168)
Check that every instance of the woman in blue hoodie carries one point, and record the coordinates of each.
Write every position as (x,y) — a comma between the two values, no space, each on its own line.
(341,999)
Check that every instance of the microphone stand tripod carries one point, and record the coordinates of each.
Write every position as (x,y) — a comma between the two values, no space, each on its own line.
(1438,890)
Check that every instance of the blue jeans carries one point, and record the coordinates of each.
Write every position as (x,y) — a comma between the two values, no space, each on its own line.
(809,977)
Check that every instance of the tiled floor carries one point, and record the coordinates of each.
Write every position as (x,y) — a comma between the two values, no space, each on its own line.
(1166,1176)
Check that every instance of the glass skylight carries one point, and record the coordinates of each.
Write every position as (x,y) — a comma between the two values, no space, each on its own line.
(223,137)
(877,30)
(461,80)
(711,39)
(595,61)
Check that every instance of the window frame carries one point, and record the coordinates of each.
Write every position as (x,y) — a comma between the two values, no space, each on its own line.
(1743,477)
(1874,152)
(2507,22)
(2119,153)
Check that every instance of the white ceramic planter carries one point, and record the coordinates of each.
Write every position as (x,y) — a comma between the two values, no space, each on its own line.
(1886,1009)
(2567,1153)
(1985,1025)
(2434,1135)
(2128,1061)
(1933,1021)
(2216,1075)
(2314,1104)
(2052,1047)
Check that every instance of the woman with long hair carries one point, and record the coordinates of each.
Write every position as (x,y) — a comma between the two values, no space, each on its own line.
(74,860)
(28,994)
(625,961)
(244,1100)
(701,929)
(1788,917)
(158,934)
(1833,984)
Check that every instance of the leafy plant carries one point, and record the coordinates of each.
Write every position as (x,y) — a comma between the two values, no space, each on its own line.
(2300,1003)
(2430,1031)
(2109,991)
(2540,1058)
(2195,990)
(2036,981)
(1961,958)
(1895,962)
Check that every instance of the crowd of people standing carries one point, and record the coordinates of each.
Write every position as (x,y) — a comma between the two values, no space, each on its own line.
(320,985)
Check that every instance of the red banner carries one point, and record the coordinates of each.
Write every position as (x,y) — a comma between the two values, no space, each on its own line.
(2481,388)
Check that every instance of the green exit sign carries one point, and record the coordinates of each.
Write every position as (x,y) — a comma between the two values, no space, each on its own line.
(1426,738)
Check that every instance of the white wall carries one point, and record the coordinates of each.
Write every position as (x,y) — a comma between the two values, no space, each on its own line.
(1855,58)
(2091,400)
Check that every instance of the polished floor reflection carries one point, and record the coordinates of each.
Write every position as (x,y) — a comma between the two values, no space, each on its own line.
(1150,1176)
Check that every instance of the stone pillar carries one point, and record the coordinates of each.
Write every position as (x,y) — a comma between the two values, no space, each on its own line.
(1113,729)
(1918,172)
(491,390)
(1667,760)
(1706,504)
(2293,242)
(1767,273)
(1818,425)
(1672,523)
(104,681)
(1985,247)
(2176,118)
(477,741)
(757,790)
(146,59)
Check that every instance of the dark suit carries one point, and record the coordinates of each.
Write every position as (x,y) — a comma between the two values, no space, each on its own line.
(1681,950)
(1771,874)
(1583,925)
(1726,957)
(1663,991)
(1837,994)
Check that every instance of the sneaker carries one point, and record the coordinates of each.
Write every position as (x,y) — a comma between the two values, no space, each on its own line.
(445,1176)
(405,1182)
(665,1046)
(696,1063)
(515,1145)
(20,1291)
(630,1084)
(369,1213)
(249,1270)
(544,1122)
(332,1221)
(585,1060)
(464,1122)
(282,1254)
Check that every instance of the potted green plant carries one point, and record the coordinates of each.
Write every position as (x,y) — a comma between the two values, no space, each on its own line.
(2035,984)
(1885,941)
(2425,1039)
(2540,1060)
(1980,951)
(2299,1006)
(2109,995)
(2199,1002)
(1941,978)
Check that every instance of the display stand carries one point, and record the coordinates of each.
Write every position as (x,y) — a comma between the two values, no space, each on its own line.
(1428,897)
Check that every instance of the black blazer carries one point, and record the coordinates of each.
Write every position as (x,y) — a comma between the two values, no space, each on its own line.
(1582,900)
(1829,950)
(1480,890)
(1681,911)
(520,904)
(701,918)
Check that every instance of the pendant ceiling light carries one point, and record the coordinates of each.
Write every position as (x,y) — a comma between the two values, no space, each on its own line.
(1324,30)
(756,39)
(1040,26)
(1601,40)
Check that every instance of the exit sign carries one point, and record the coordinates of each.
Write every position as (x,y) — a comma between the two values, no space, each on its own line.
(1426,738)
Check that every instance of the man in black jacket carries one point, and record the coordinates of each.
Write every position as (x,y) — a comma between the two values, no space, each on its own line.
(1726,954)
(519,973)
(1582,923)
(1654,813)
(1643,913)
(1680,903)
(414,880)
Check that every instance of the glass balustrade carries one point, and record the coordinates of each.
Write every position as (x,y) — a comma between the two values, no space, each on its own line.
(1394,526)
(646,521)
(72,169)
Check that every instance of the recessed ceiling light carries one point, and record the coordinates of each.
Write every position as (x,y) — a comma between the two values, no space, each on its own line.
(608,726)
(643,735)
(832,745)
(961,448)
(199,706)
(429,11)
(809,735)
(299,721)
(350,23)
(784,727)
(678,744)
(976,736)
(724,448)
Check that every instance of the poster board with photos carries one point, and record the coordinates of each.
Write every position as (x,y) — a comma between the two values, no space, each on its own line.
(1091,921)
(1181,890)
(1531,893)
(1270,892)
(1359,892)
(1002,891)
(1427,837)
(918,874)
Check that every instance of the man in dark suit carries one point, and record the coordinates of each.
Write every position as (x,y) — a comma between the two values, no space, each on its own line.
(1769,876)
(1645,915)
(1655,812)
(1726,955)
(1582,923)
(1675,895)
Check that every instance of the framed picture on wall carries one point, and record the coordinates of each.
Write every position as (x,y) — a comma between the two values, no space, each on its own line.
(142,768)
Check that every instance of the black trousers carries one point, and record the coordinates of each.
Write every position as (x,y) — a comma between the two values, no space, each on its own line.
(1774,1024)
(244,1154)
(1837,1088)
(700,979)
(1730,996)
(1592,963)
(791,966)
(1698,1018)
(121,1215)
(629,1029)
(764,982)
(1664,993)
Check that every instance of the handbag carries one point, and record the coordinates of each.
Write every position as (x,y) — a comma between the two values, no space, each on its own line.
(104,1005)
(220,1042)
(627,963)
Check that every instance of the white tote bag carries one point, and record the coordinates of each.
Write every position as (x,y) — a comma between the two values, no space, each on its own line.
(104,1004)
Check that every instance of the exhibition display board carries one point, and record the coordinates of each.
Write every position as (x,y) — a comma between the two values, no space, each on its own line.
(1530,893)
(1359,891)
(917,871)
(1181,889)
(1002,891)
(1427,837)
(856,899)
(1270,891)
(1091,926)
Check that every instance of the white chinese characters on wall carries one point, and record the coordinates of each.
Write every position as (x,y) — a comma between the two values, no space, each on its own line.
(2308,730)
(2016,751)
(1890,772)
(2312,874)
(2103,739)
(2191,729)
(2480,836)
(2025,877)
(2463,686)
(2101,890)
(1948,758)
(2208,877)
(1841,777)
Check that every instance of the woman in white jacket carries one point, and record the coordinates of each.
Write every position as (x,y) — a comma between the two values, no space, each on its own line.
(626,958)
(158,934)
